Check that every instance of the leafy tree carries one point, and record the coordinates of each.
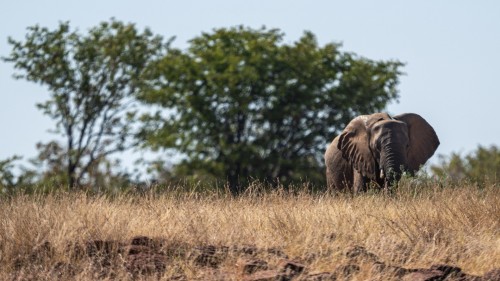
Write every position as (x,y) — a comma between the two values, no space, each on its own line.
(241,103)
(481,166)
(92,80)
(10,180)
(52,159)
(7,175)
(47,172)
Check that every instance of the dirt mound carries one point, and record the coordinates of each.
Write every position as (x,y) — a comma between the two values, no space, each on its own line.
(143,256)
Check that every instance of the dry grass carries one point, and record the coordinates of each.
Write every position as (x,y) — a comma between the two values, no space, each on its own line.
(456,226)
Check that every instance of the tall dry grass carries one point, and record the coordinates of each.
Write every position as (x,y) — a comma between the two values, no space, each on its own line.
(411,228)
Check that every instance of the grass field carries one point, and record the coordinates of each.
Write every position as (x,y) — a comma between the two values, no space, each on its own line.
(46,237)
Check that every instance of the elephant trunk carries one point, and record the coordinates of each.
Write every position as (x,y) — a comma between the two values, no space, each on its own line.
(392,164)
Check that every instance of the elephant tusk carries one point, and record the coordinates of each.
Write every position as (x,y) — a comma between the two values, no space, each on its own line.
(382,175)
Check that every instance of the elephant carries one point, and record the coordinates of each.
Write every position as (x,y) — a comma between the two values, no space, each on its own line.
(378,148)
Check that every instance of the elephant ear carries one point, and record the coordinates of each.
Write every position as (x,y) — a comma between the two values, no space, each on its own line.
(354,145)
(422,137)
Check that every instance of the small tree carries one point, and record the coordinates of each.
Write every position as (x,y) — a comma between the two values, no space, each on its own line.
(240,104)
(50,163)
(92,81)
(481,166)
(14,175)
(8,178)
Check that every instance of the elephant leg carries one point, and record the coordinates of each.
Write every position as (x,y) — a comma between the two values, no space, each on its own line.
(338,180)
(338,171)
(330,179)
(359,183)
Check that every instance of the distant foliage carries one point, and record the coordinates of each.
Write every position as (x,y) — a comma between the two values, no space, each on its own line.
(481,166)
(47,172)
(7,177)
(241,103)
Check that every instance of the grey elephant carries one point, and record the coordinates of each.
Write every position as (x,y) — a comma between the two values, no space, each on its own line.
(378,148)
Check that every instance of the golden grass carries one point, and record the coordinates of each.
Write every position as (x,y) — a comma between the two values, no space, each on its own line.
(456,226)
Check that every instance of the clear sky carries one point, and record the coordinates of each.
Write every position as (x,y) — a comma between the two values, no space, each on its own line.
(451,48)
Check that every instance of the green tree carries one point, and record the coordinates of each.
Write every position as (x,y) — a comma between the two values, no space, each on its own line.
(46,172)
(11,180)
(240,103)
(481,166)
(92,81)
(7,176)
(51,164)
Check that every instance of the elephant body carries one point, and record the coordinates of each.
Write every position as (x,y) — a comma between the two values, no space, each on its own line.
(377,149)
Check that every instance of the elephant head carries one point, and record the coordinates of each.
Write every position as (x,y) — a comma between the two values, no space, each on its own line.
(381,147)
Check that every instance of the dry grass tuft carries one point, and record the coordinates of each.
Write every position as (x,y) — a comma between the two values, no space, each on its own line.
(46,237)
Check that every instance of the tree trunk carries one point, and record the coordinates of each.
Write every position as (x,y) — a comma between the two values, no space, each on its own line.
(71,175)
(234,185)
(233,178)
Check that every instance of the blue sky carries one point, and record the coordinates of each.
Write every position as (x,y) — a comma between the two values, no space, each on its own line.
(451,48)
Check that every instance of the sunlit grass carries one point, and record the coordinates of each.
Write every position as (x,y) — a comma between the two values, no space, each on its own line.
(411,228)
